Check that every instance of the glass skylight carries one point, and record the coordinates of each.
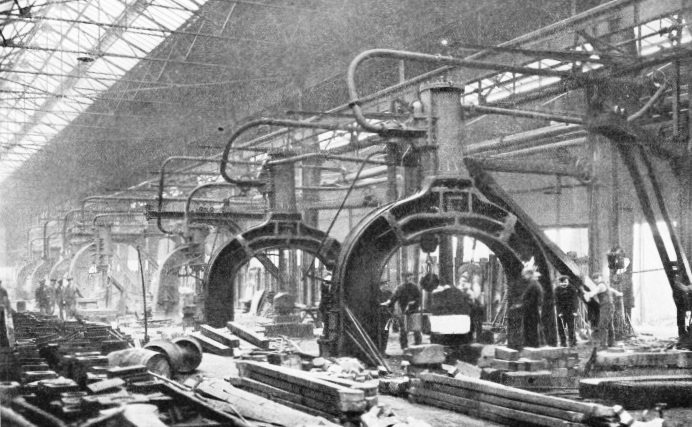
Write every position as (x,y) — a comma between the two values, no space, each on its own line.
(59,56)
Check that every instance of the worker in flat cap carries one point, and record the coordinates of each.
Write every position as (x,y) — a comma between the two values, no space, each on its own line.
(408,297)
(70,294)
(566,305)
(604,333)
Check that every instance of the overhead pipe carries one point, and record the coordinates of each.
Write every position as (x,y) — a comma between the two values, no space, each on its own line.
(523,113)
(359,185)
(541,146)
(115,214)
(162,179)
(272,122)
(538,167)
(326,156)
(554,89)
(355,101)
(511,141)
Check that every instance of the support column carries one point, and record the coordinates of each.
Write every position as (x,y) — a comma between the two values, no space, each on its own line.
(282,198)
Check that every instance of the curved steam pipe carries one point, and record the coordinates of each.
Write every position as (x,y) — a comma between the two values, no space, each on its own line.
(31,243)
(45,238)
(28,234)
(649,103)
(272,122)
(355,101)
(162,179)
(64,225)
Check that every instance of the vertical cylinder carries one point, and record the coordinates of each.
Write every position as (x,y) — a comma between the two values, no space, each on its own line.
(282,188)
(442,102)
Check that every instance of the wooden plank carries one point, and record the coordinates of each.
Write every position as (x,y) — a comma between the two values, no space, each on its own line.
(299,378)
(248,335)
(220,335)
(506,353)
(595,388)
(480,409)
(308,410)
(276,392)
(455,407)
(369,387)
(324,399)
(212,346)
(571,416)
(590,409)
(105,385)
(254,407)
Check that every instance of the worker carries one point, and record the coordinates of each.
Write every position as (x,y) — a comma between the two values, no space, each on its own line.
(470,281)
(566,306)
(621,281)
(60,298)
(531,304)
(5,311)
(681,297)
(40,297)
(51,297)
(326,305)
(70,297)
(408,297)
(385,318)
(604,333)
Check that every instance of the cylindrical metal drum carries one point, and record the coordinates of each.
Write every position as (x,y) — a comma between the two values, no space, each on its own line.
(192,353)
(154,361)
(170,350)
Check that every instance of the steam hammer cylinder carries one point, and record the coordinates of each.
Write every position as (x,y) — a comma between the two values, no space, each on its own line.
(442,102)
(283,188)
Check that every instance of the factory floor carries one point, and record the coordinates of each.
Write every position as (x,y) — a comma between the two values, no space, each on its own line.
(222,367)
(214,366)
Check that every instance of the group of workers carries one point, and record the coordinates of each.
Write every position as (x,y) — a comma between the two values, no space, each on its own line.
(470,282)
(407,296)
(55,294)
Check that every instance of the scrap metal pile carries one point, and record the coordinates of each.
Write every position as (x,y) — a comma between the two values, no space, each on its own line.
(85,373)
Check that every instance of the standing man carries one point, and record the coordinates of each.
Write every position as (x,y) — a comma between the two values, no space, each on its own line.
(41,296)
(682,304)
(470,281)
(51,296)
(384,316)
(6,326)
(60,299)
(604,332)
(566,306)
(531,304)
(408,296)
(70,297)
